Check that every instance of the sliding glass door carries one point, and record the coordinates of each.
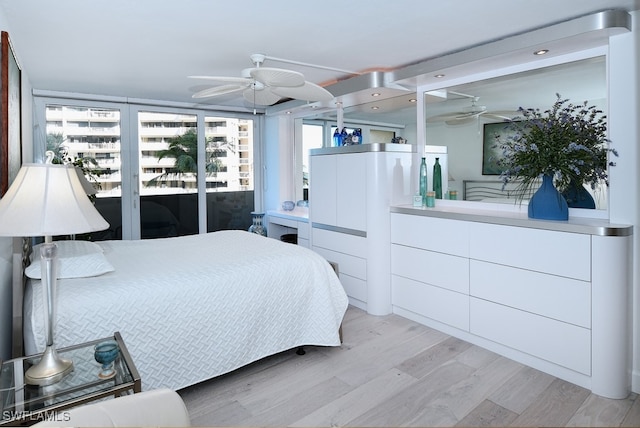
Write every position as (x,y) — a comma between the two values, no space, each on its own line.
(229,171)
(167,174)
(88,136)
(158,171)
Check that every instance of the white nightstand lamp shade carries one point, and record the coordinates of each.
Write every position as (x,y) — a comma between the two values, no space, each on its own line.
(48,200)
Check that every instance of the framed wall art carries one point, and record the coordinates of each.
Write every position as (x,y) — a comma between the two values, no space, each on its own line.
(10,114)
(491,153)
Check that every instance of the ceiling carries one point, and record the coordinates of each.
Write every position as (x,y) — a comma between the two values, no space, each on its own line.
(145,49)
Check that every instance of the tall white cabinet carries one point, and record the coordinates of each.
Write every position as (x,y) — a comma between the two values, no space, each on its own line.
(350,191)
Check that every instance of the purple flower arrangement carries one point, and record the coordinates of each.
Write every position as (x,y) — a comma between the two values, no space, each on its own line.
(568,142)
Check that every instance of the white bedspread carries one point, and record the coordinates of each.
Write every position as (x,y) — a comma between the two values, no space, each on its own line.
(195,307)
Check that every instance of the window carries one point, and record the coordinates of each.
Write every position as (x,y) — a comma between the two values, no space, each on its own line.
(96,148)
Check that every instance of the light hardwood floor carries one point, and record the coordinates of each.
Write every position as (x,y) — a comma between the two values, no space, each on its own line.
(394,372)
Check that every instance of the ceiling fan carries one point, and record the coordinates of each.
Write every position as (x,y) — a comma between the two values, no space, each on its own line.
(471,113)
(265,85)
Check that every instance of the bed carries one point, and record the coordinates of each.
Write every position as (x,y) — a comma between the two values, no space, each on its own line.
(194,307)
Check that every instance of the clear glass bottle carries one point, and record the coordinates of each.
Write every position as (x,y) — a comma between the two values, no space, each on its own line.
(437,179)
(423,181)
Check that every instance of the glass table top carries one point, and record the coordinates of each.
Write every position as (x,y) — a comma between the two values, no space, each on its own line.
(82,384)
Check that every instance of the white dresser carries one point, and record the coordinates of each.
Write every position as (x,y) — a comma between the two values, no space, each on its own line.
(552,295)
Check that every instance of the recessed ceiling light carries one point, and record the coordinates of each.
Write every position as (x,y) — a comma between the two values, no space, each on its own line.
(375,108)
(412,100)
(439,76)
(541,52)
(375,94)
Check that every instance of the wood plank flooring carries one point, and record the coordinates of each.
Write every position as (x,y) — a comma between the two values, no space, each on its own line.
(391,371)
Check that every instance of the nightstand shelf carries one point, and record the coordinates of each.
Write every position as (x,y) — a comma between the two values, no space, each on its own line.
(27,404)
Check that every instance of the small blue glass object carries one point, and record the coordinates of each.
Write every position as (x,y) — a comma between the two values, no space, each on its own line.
(337,138)
(344,135)
(106,353)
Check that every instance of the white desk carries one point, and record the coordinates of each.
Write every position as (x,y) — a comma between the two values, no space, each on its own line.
(280,222)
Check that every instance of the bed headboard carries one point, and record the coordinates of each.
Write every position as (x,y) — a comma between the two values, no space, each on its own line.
(12,257)
(485,190)
(20,260)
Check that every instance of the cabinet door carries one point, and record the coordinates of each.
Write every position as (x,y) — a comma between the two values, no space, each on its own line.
(322,192)
(351,192)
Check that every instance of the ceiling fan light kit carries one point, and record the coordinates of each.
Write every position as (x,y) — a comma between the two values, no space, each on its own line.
(265,85)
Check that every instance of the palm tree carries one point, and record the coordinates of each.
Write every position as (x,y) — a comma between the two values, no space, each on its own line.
(88,165)
(184,149)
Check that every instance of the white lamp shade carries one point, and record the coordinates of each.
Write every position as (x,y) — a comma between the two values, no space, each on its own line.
(86,185)
(48,200)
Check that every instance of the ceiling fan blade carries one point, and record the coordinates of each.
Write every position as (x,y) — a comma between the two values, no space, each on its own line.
(225,79)
(277,77)
(262,96)
(461,121)
(218,90)
(442,117)
(503,115)
(307,92)
(468,115)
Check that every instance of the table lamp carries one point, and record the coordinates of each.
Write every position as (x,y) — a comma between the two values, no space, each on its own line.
(48,200)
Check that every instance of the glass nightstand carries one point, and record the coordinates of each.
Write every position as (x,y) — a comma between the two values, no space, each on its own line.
(27,404)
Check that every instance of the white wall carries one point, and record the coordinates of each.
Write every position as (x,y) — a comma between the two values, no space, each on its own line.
(278,156)
(624,131)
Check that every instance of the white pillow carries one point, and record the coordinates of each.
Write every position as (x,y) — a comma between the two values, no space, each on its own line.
(69,249)
(76,259)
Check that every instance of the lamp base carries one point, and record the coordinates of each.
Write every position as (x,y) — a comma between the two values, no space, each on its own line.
(49,370)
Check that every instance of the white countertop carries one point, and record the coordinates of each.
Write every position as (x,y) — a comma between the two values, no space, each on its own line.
(297,214)
(515,216)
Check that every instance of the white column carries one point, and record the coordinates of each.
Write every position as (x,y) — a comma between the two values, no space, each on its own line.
(386,179)
(624,132)
(611,261)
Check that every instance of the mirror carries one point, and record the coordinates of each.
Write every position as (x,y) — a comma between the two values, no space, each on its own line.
(456,117)
(389,116)
(381,119)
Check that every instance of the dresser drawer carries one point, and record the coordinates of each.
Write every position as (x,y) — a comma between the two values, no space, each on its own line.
(437,303)
(560,343)
(428,233)
(355,288)
(347,264)
(441,270)
(563,299)
(340,242)
(303,230)
(557,253)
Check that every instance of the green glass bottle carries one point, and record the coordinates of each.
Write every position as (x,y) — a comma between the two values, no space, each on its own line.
(437,179)
(423,181)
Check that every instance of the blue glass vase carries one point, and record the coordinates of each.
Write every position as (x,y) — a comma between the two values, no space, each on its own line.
(547,203)
(578,197)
